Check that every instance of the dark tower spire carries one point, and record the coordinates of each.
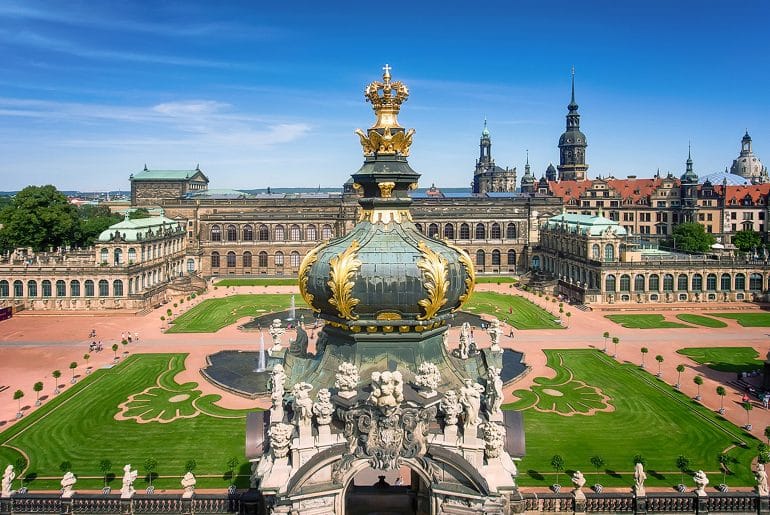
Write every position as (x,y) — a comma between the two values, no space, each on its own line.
(572,144)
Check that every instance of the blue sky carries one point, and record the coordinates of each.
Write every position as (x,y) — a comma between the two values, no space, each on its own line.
(269,93)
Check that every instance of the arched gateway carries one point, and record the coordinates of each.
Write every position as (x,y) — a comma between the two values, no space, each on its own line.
(384,391)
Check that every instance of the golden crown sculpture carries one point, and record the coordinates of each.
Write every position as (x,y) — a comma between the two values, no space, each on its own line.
(386,136)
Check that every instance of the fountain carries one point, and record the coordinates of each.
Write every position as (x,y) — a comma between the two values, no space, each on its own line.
(292,311)
(261,363)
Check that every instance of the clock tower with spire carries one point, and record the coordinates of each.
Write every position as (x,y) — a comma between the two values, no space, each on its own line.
(572,145)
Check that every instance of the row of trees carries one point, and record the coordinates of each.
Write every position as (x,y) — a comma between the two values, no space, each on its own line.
(692,237)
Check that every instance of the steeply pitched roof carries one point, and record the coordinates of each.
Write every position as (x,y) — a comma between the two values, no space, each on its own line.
(735,194)
(585,224)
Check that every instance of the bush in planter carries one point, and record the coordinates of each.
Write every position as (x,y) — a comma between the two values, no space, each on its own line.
(557,464)
(682,464)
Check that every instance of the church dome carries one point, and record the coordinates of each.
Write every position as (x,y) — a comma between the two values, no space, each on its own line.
(385,275)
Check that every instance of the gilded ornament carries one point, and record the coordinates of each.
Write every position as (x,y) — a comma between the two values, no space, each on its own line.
(389,142)
(389,315)
(342,269)
(470,279)
(304,271)
(386,188)
(436,281)
(403,329)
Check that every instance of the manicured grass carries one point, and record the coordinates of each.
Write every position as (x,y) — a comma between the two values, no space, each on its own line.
(213,314)
(748,319)
(644,321)
(82,426)
(647,417)
(494,279)
(523,315)
(258,281)
(701,320)
(725,359)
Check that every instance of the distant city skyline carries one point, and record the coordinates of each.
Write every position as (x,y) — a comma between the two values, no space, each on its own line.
(269,95)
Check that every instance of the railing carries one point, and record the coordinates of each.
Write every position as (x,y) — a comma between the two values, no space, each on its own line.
(53,504)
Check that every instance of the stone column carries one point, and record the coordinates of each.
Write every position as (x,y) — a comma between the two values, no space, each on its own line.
(640,504)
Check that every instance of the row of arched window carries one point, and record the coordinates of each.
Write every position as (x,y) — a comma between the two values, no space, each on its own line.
(247,259)
(684,282)
(232,232)
(59,288)
(481,257)
(464,231)
(148,252)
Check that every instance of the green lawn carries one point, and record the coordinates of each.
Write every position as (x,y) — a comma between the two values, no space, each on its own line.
(259,281)
(495,279)
(701,320)
(525,315)
(725,359)
(636,414)
(213,314)
(644,321)
(80,426)
(748,319)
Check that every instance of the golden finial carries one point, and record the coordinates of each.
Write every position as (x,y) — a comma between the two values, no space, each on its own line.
(386,136)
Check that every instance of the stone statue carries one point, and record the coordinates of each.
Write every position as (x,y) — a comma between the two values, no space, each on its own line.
(129,476)
(302,403)
(578,481)
(451,408)
(494,398)
(347,380)
(280,439)
(700,483)
(761,476)
(494,439)
(188,483)
(67,482)
(470,399)
(387,390)
(639,478)
(323,408)
(465,340)
(276,332)
(445,340)
(298,347)
(8,476)
(428,378)
(495,332)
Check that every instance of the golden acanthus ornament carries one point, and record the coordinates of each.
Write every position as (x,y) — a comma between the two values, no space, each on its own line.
(435,281)
(342,270)
(304,269)
(470,279)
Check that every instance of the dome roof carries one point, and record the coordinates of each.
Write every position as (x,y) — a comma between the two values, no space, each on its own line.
(572,137)
(720,177)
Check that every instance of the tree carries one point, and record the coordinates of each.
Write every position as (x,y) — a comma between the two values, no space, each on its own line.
(597,462)
(615,341)
(17,396)
(698,380)
(140,212)
(37,388)
(568,314)
(115,349)
(767,434)
(605,336)
(724,460)
(150,464)
(748,407)
(56,374)
(679,370)
(722,392)
(682,463)
(39,217)
(190,465)
(692,237)
(232,462)
(557,464)
(644,351)
(86,357)
(659,359)
(73,366)
(638,458)
(105,466)
(746,241)
(95,219)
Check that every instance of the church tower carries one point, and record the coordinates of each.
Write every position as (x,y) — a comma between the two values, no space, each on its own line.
(688,191)
(572,145)
(488,176)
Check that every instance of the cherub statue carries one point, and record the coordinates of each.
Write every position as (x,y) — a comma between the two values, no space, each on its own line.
(578,481)
(276,332)
(639,478)
(323,408)
(129,476)
(302,403)
(470,399)
(387,389)
(465,340)
(67,482)
(700,482)
(188,483)
(277,381)
(8,476)
(761,476)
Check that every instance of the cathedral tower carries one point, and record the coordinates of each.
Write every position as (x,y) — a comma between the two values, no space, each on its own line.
(572,145)
(488,176)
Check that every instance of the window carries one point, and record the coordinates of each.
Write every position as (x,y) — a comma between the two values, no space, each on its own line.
(232,233)
(639,282)
(697,282)
(496,257)
(215,260)
(294,259)
(279,258)
(231,259)
(654,282)
(681,282)
(326,232)
(755,282)
(104,288)
(510,231)
(711,282)
(481,232)
(449,231)
(248,233)
(117,288)
(262,259)
(263,234)
(312,234)
(4,289)
(418,227)
(247,259)
(511,257)
(191,265)
(609,283)
(46,288)
(668,282)
(131,255)
(89,288)
(216,233)
(294,233)
(280,235)
(495,231)
(609,252)
(105,255)
(118,255)
(536,262)
(740,282)
(432,230)
(480,257)
(61,288)
(596,252)
(625,282)
(18,289)
(465,232)
(31,289)
(725,282)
